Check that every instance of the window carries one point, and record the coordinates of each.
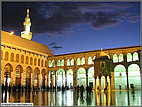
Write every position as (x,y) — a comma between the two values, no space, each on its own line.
(27,59)
(135,56)
(58,63)
(89,60)
(115,59)
(129,57)
(31,61)
(12,57)
(121,57)
(62,62)
(17,58)
(68,62)
(35,61)
(78,61)
(53,63)
(50,64)
(38,62)
(83,61)
(22,59)
(6,56)
(72,61)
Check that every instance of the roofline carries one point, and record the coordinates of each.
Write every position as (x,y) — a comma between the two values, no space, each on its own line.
(97,50)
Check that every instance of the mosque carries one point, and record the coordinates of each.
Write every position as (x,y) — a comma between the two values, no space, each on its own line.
(31,64)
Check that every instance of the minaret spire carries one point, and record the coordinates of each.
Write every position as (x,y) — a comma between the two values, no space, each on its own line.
(26,33)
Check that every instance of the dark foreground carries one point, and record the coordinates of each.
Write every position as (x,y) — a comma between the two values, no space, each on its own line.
(72,98)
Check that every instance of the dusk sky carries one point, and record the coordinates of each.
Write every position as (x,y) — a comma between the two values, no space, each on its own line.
(69,27)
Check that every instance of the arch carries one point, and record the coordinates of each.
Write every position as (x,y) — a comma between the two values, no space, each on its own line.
(6,56)
(22,59)
(45,63)
(60,78)
(62,62)
(17,57)
(81,77)
(51,78)
(1,54)
(72,61)
(12,57)
(7,73)
(70,78)
(28,77)
(68,62)
(120,77)
(90,61)
(27,59)
(38,62)
(115,58)
(50,63)
(43,78)
(35,61)
(91,81)
(134,76)
(78,61)
(58,63)
(83,61)
(135,56)
(19,70)
(121,58)
(42,63)
(36,77)
(129,57)
(53,63)
(31,61)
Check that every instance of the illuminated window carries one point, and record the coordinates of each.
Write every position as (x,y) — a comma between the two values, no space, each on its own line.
(58,63)
(62,62)
(129,57)
(38,62)
(89,60)
(121,58)
(72,61)
(68,62)
(135,56)
(35,61)
(115,59)
(78,61)
(27,59)
(12,57)
(83,61)
(50,64)
(42,63)
(53,63)
(22,59)
(17,58)
(6,56)
(31,61)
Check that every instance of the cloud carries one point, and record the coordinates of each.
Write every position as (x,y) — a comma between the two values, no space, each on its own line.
(56,47)
(50,17)
(53,43)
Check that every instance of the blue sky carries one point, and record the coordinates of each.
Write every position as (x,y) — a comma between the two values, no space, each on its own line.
(69,27)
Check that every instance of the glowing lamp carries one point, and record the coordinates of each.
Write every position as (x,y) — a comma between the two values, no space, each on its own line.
(11,33)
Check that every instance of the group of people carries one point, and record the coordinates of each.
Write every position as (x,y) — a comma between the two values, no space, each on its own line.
(81,88)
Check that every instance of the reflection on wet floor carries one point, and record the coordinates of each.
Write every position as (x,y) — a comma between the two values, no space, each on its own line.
(74,98)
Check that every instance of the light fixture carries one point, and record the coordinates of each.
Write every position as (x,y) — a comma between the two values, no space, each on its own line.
(11,33)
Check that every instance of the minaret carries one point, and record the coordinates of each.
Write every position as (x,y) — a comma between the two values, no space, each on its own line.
(26,33)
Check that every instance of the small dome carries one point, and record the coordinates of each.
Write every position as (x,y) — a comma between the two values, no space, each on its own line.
(102,53)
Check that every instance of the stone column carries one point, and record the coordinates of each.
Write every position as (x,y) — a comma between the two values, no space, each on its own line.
(86,78)
(13,76)
(74,79)
(127,80)
(100,87)
(95,83)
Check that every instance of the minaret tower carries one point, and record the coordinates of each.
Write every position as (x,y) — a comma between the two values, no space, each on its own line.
(26,33)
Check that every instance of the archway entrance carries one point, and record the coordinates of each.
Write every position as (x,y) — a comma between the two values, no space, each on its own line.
(91,81)
(43,78)
(7,74)
(134,76)
(36,77)
(81,77)
(61,78)
(120,77)
(18,70)
(28,77)
(70,78)
(52,79)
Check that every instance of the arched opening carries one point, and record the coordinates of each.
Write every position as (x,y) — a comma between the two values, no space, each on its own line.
(60,78)
(6,56)
(83,61)
(43,78)
(27,59)
(28,77)
(18,70)
(129,57)
(35,61)
(81,77)
(42,63)
(58,63)
(12,57)
(121,58)
(115,58)
(50,63)
(91,81)
(134,76)
(36,77)
(120,77)
(135,56)
(31,61)
(53,63)
(45,63)
(52,79)
(17,58)
(78,61)
(90,61)
(70,78)
(68,62)
(38,62)
(7,74)
(62,62)
(22,59)
(72,61)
